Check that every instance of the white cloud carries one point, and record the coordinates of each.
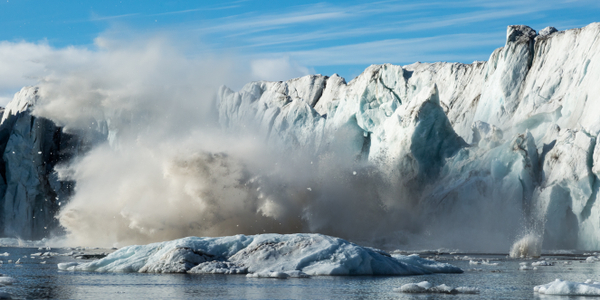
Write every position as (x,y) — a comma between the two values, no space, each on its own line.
(278,69)
(20,65)
(128,59)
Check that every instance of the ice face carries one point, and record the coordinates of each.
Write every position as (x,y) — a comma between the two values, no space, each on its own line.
(30,148)
(266,255)
(528,114)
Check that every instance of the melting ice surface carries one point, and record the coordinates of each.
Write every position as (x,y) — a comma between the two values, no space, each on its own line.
(266,255)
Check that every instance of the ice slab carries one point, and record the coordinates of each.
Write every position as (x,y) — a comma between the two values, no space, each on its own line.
(569,288)
(265,255)
(6,280)
(426,287)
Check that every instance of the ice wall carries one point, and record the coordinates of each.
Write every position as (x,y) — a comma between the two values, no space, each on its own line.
(473,156)
(528,114)
(30,191)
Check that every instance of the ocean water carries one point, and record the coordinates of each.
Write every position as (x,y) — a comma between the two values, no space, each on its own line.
(35,280)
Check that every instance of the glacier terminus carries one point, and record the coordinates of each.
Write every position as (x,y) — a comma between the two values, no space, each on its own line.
(471,156)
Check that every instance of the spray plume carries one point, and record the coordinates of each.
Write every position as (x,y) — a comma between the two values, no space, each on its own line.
(159,166)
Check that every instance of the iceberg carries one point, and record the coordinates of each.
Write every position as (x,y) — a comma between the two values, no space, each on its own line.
(6,280)
(569,288)
(427,287)
(265,255)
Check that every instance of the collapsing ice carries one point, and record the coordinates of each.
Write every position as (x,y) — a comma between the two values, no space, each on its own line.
(443,154)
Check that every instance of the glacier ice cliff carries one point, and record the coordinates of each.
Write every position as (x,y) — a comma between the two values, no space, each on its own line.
(29,187)
(474,156)
(489,150)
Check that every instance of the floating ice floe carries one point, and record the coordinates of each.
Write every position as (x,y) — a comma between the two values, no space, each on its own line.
(265,255)
(592,259)
(524,267)
(6,280)
(280,275)
(426,287)
(542,263)
(569,288)
(484,262)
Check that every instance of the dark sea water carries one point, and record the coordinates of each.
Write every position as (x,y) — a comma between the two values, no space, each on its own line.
(504,281)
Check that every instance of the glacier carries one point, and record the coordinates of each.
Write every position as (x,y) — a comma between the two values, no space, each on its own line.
(490,150)
(264,255)
(31,147)
(473,156)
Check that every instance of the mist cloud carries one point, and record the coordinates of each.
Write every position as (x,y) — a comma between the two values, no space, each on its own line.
(162,167)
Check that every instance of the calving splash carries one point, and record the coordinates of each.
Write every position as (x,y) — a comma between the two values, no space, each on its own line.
(419,156)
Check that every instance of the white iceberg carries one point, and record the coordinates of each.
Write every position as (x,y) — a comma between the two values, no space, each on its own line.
(266,255)
(591,259)
(569,288)
(6,280)
(426,287)
(542,263)
(482,262)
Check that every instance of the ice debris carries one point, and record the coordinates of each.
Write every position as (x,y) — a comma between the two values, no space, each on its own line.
(569,288)
(265,255)
(6,280)
(426,287)
(484,262)
(592,259)
(542,263)
(524,267)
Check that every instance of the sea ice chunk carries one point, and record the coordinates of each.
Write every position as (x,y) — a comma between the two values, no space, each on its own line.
(568,288)
(426,287)
(6,280)
(296,255)
(542,263)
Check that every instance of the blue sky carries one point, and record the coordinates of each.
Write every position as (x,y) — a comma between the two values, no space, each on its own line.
(323,37)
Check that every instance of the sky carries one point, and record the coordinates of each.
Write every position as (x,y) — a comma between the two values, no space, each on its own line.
(275,40)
